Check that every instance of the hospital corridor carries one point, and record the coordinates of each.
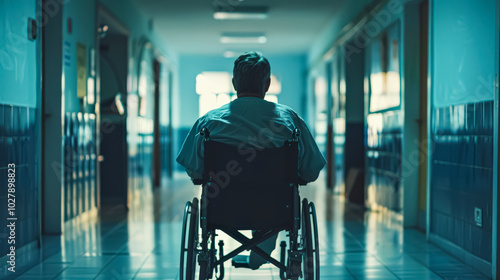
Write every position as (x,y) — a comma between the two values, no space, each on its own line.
(249,139)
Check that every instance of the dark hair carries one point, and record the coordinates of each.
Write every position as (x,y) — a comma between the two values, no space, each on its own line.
(250,73)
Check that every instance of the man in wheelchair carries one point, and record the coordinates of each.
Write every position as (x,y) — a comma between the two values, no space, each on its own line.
(248,127)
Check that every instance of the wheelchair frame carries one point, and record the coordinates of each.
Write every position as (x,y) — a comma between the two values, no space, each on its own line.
(303,252)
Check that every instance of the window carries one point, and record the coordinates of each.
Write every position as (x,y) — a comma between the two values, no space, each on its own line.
(216,89)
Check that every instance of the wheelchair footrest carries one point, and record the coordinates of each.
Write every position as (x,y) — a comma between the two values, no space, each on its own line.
(241,261)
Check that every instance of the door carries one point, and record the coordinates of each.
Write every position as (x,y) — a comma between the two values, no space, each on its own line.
(354,147)
(112,98)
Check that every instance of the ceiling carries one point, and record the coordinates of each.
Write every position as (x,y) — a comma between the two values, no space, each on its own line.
(189,26)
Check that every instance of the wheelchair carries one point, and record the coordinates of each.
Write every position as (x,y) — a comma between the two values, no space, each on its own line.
(249,189)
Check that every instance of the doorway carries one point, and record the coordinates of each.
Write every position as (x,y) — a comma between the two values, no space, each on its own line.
(112,70)
(354,147)
(156,128)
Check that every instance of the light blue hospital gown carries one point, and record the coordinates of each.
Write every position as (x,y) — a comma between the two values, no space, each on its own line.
(255,122)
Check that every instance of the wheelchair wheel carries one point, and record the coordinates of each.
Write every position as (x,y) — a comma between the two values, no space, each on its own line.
(307,242)
(203,271)
(310,241)
(188,245)
(316,240)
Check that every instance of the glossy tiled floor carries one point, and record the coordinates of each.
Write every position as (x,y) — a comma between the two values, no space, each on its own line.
(144,244)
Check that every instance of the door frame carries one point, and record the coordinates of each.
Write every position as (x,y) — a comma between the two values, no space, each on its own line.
(424,109)
(167,73)
(430,59)
(52,124)
(39,123)
(101,13)
(495,258)
(156,172)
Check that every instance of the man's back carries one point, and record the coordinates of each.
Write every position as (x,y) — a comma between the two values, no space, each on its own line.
(252,123)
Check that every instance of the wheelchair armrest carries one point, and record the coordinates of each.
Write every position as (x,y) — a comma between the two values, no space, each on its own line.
(198,181)
(302,182)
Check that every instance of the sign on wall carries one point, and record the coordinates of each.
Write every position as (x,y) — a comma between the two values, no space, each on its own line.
(81,70)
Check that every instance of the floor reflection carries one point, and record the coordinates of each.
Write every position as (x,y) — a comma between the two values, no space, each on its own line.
(144,242)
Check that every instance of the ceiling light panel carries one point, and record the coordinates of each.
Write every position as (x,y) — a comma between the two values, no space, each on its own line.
(241,13)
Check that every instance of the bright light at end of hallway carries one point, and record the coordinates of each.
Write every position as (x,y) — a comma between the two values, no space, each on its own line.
(213,83)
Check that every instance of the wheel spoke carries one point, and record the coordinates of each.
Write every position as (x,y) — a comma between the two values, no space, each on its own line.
(307,242)
(189,234)
(316,241)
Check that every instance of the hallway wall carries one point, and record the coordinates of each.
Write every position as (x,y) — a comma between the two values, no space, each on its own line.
(74,142)
(19,129)
(460,139)
(462,93)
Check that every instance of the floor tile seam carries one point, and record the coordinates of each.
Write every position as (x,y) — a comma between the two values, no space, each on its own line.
(60,272)
(142,264)
(42,261)
(27,275)
(354,238)
(114,229)
(125,244)
(386,266)
(459,262)
(374,255)
(422,263)
(105,265)
(130,237)
(348,270)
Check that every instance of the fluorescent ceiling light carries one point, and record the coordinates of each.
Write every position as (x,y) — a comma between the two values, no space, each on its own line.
(238,15)
(243,38)
(241,13)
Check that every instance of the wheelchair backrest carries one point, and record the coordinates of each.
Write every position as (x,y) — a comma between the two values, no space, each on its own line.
(250,188)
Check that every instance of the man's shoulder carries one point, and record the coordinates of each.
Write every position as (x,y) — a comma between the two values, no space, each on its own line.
(286,111)
(215,113)
(285,108)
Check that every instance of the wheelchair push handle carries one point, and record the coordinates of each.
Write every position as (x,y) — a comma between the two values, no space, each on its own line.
(205,133)
(296,134)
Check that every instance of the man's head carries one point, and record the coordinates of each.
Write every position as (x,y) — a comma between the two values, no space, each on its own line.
(251,75)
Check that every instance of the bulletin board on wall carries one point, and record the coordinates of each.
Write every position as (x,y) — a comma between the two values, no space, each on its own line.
(18,54)
(462,52)
(384,70)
